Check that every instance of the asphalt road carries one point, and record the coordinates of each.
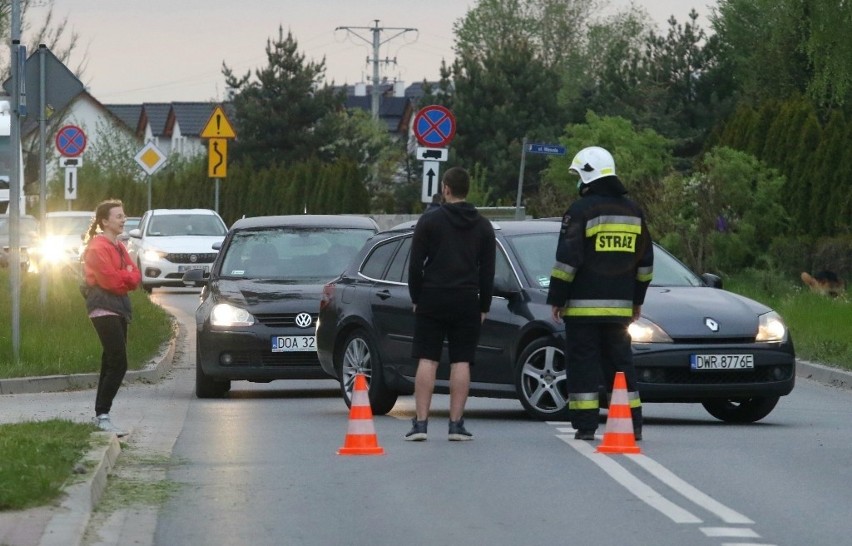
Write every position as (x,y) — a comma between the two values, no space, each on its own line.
(261,468)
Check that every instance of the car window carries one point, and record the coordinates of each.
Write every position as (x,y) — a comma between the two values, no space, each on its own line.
(398,270)
(67,225)
(177,225)
(504,277)
(536,253)
(294,254)
(377,261)
(26,225)
(668,271)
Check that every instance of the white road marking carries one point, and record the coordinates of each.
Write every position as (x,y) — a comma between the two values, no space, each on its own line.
(701,499)
(620,474)
(649,496)
(740,532)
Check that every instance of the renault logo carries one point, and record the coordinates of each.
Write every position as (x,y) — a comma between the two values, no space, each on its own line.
(712,324)
(303,320)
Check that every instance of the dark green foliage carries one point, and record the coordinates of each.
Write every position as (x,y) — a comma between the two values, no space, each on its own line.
(282,113)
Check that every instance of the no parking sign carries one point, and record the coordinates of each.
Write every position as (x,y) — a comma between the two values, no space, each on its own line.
(434,126)
(71,141)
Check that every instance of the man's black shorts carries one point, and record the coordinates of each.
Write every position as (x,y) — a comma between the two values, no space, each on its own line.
(451,315)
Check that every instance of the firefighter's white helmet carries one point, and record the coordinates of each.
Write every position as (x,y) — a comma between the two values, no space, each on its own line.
(592,163)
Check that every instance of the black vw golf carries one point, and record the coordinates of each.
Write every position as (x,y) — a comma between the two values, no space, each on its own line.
(694,342)
(259,306)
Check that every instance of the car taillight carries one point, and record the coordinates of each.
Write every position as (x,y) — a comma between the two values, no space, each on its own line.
(327,294)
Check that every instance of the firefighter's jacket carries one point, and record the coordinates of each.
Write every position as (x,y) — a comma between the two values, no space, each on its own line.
(605,257)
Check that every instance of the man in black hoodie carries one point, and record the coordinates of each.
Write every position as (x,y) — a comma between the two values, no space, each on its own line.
(450,280)
(604,264)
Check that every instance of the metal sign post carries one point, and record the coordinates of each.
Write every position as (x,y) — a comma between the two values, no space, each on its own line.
(547,149)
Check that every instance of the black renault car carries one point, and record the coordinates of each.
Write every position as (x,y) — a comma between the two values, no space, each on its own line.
(694,342)
(259,306)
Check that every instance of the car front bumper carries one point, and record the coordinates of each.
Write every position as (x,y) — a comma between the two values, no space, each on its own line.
(665,375)
(247,355)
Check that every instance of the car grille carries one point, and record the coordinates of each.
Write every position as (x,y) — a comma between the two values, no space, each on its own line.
(763,374)
(713,340)
(275,359)
(280,320)
(186,258)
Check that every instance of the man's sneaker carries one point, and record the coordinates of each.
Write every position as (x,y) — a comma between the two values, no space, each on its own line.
(637,434)
(584,435)
(458,433)
(103,422)
(418,430)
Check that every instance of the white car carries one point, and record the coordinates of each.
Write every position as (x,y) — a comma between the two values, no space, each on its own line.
(170,242)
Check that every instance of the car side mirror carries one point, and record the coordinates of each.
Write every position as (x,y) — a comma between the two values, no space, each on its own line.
(135,233)
(506,288)
(711,280)
(194,278)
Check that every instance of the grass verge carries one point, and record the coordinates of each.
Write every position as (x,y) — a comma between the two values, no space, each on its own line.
(819,325)
(57,338)
(37,459)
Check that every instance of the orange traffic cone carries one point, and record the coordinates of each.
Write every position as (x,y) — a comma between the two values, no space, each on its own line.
(618,437)
(361,435)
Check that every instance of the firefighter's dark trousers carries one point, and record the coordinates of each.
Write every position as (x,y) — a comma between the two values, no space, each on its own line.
(594,352)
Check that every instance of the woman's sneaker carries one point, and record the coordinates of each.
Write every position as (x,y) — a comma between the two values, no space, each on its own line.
(458,433)
(104,423)
(418,430)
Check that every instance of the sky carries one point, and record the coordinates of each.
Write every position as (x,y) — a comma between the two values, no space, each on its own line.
(173,50)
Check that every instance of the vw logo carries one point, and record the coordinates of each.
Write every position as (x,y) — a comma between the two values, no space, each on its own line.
(193,258)
(712,324)
(303,320)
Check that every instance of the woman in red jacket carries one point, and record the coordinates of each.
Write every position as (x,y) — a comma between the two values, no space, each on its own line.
(110,275)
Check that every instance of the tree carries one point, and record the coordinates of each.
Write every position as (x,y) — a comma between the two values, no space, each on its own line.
(554,29)
(725,215)
(642,159)
(56,35)
(762,41)
(284,112)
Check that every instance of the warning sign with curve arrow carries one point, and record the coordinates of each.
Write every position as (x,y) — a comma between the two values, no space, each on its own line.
(218,130)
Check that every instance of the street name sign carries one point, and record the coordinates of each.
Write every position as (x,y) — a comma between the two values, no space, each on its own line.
(549,149)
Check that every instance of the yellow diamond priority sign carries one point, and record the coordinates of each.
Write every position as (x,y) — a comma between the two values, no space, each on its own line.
(150,158)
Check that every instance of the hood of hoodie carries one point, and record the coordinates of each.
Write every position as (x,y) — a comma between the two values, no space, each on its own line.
(462,214)
(608,185)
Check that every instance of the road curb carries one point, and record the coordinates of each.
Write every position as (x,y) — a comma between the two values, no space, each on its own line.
(69,524)
(835,377)
(154,370)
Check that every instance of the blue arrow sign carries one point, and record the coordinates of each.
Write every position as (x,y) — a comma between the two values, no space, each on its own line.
(550,149)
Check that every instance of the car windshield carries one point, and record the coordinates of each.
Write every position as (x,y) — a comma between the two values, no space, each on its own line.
(537,254)
(181,225)
(27,225)
(67,225)
(303,255)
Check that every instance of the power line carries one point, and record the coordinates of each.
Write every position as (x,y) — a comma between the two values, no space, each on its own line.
(376,42)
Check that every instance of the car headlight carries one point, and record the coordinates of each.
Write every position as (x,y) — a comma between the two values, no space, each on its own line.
(225,314)
(771,328)
(645,331)
(153,255)
(53,250)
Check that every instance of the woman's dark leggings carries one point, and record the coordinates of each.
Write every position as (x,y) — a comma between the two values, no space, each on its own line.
(112,330)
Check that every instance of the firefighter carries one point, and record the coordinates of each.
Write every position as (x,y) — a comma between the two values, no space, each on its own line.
(604,264)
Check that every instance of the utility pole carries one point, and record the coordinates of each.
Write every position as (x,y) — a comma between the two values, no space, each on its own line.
(376,42)
(18,55)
